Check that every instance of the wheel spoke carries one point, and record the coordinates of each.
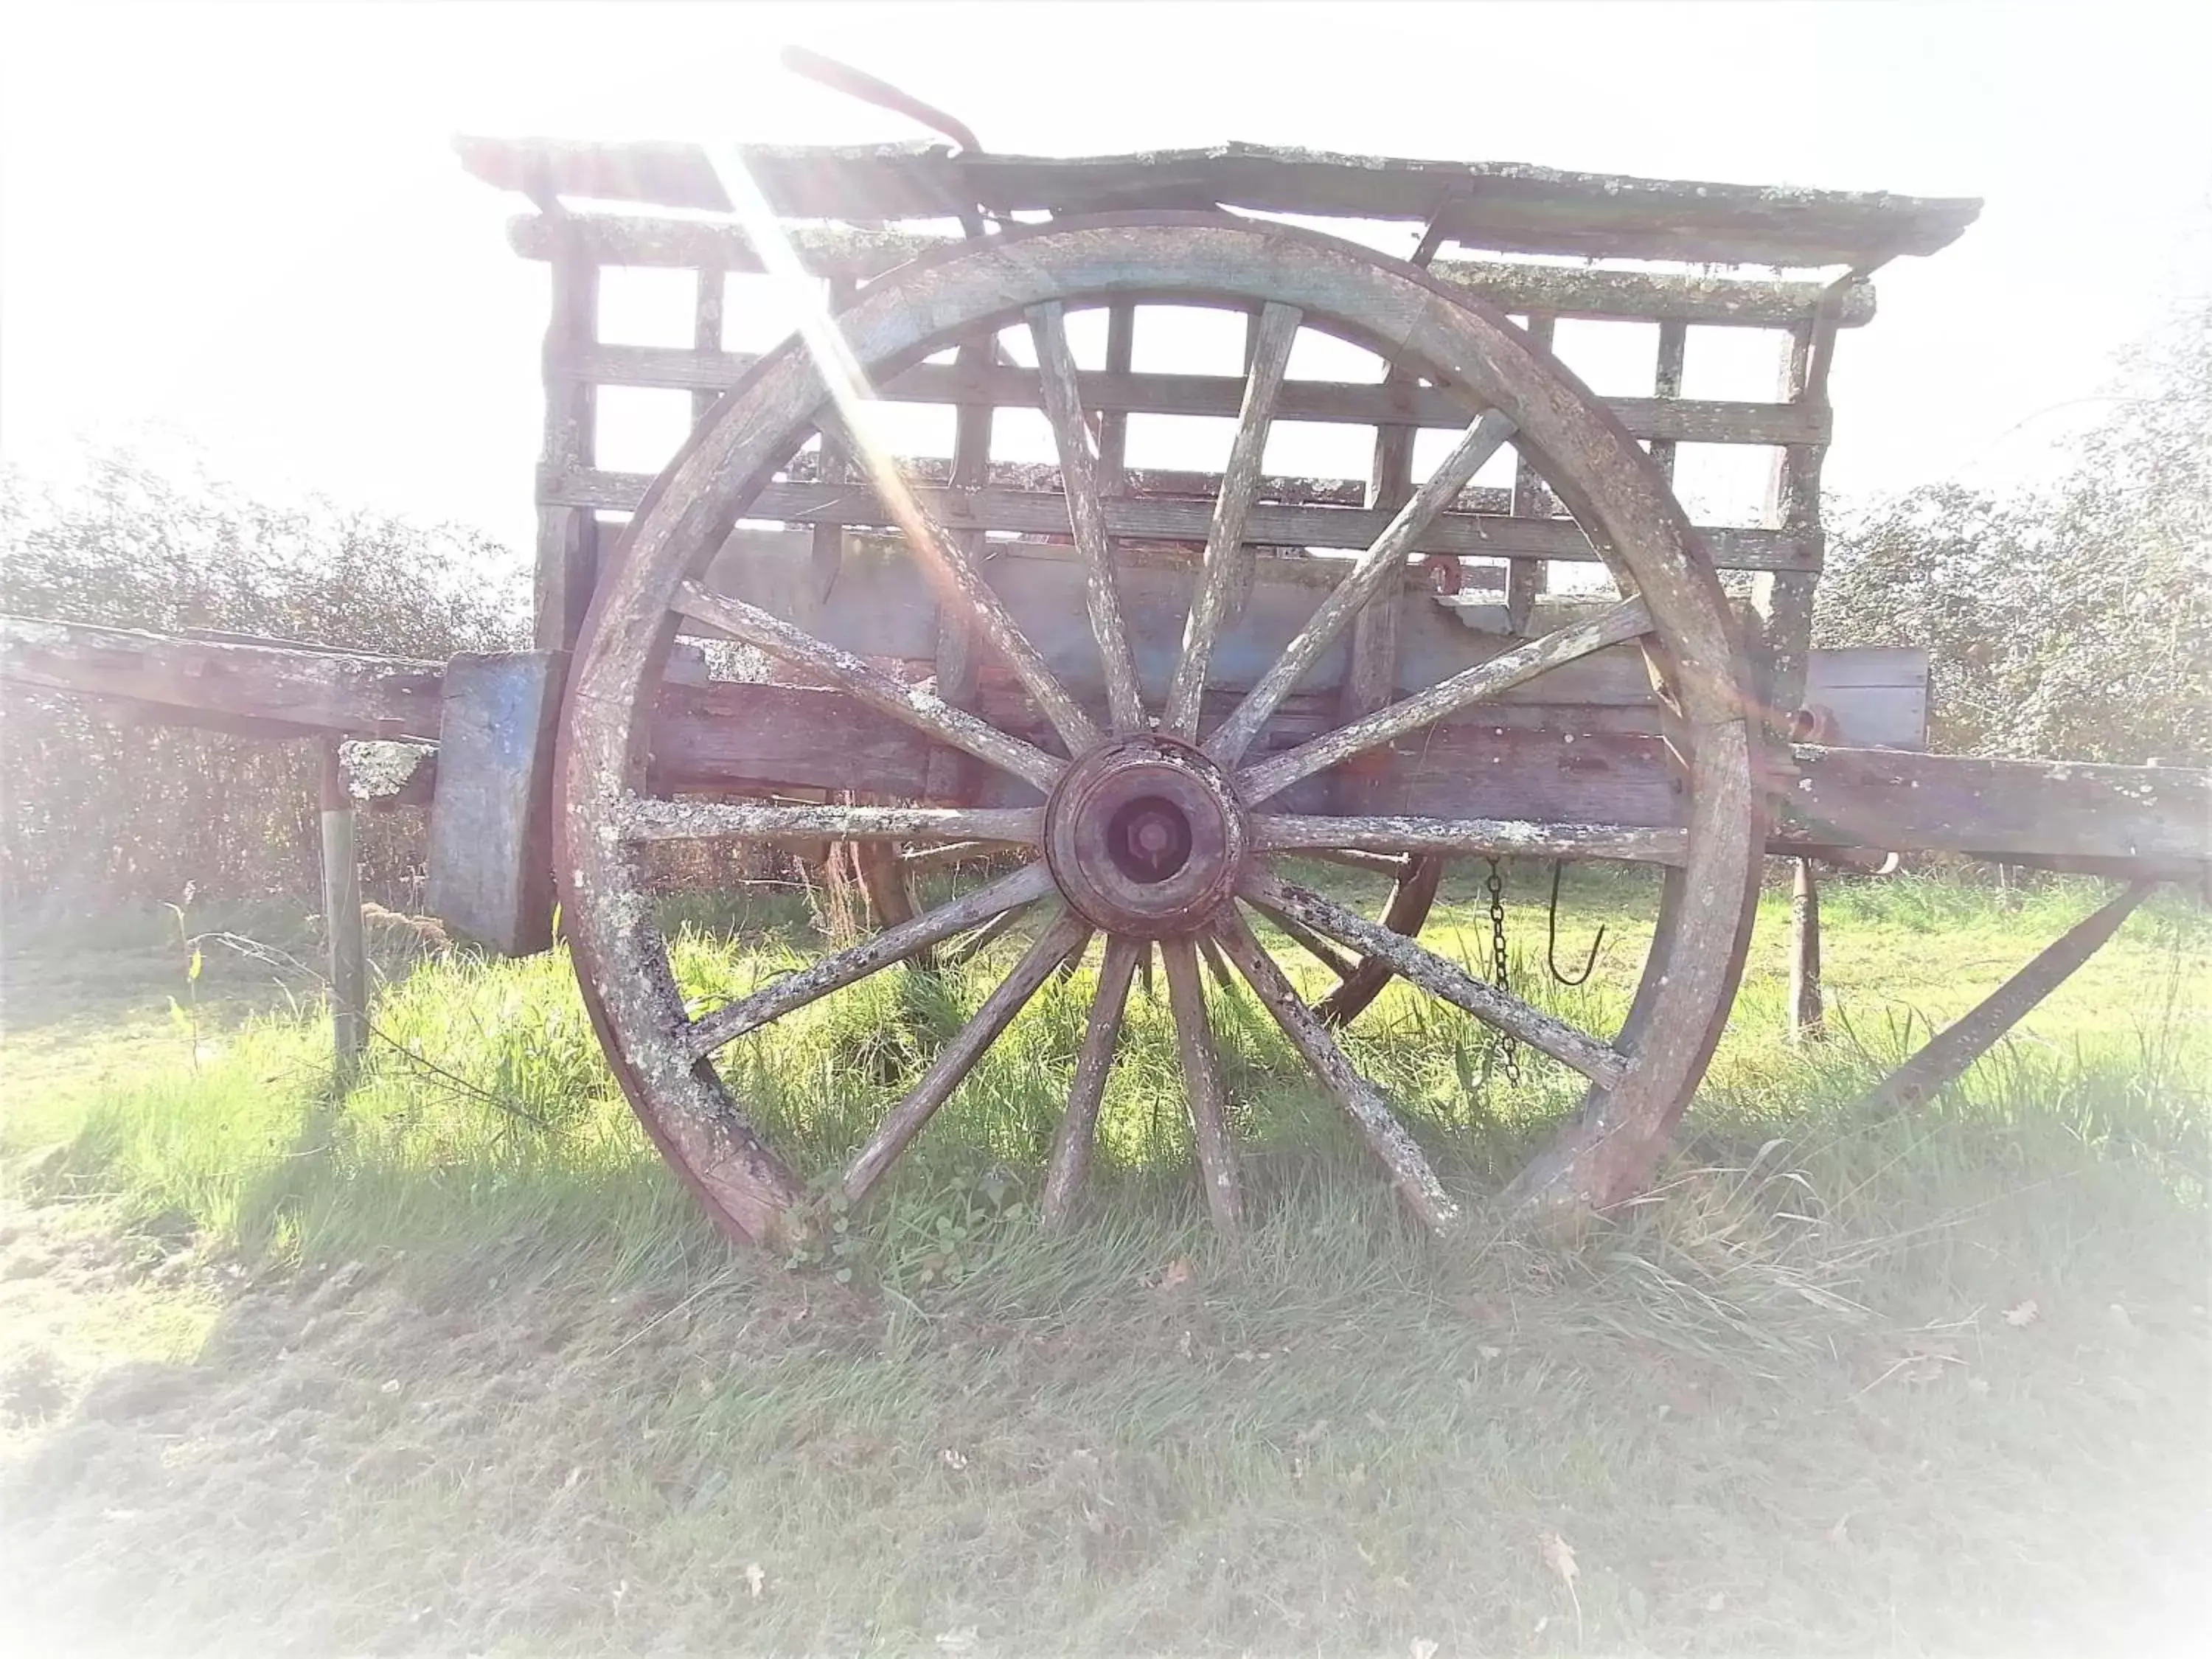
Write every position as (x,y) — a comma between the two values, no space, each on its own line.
(648,818)
(1209,1100)
(1596,1060)
(701,1037)
(959,1057)
(1078,1130)
(1375,864)
(917,707)
(1296,832)
(1613,626)
(1221,584)
(1211,954)
(1073,960)
(958,580)
(1375,574)
(1309,941)
(1087,515)
(1386,1137)
(968,949)
(939,858)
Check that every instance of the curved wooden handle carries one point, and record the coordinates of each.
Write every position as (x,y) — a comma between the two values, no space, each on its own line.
(859,83)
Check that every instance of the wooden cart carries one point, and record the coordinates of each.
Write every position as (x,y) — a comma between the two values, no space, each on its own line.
(1128,700)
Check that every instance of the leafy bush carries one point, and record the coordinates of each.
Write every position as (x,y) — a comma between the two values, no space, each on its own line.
(2072,620)
(135,813)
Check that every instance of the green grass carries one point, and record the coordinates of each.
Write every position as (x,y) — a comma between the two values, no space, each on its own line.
(482,1381)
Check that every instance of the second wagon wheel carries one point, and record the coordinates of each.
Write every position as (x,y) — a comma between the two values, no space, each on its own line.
(1131,821)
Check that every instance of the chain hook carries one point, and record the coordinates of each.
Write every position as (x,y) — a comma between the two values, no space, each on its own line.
(1552,937)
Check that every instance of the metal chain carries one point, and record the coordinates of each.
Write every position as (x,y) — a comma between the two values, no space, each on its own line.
(1500,964)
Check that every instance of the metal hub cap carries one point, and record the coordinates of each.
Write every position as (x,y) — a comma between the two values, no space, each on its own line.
(1144,836)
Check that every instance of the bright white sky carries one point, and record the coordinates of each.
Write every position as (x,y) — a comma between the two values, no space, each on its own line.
(244,227)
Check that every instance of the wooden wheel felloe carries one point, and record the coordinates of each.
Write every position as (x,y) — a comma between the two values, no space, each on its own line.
(1143,819)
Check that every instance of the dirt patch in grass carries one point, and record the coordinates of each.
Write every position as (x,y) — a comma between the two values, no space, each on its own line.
(1089,1447)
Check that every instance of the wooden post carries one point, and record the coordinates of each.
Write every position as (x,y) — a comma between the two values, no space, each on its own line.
(1114,425)
(342,920)
(1667,382)
(1371,679)
(1527,578)
(706,329)
(1958,1046)
(954,777)
(1807,1019)
(1784,598)
(567,537)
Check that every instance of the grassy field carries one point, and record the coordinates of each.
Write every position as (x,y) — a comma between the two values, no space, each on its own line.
(450,1365)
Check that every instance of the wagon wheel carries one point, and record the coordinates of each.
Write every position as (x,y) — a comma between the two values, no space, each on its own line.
(1152,834)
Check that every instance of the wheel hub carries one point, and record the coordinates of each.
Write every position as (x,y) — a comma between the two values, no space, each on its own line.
(1144,836)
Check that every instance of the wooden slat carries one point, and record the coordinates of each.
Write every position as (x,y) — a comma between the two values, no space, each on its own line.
(1392,403)
(1114,424)
(567,539)
(1784,602)
(707,300)
(1506,206)
(1513,286)
(882,608)
(833,465)
(1370,677)
(1154,518)
(953,777)
(1526,579)
(1666,385)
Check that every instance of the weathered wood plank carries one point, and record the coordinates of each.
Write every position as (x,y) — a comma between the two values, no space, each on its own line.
(2160,817)
(306,689)
(1370,674)
(649,818)
(1712,421)
(1485,837)
(1784,602)
(491,820)
(1525,579)
(1712,300)
(1512,208)
(567,537)
(1037,513)
(1903,802)
(880,608)
(1667,383)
